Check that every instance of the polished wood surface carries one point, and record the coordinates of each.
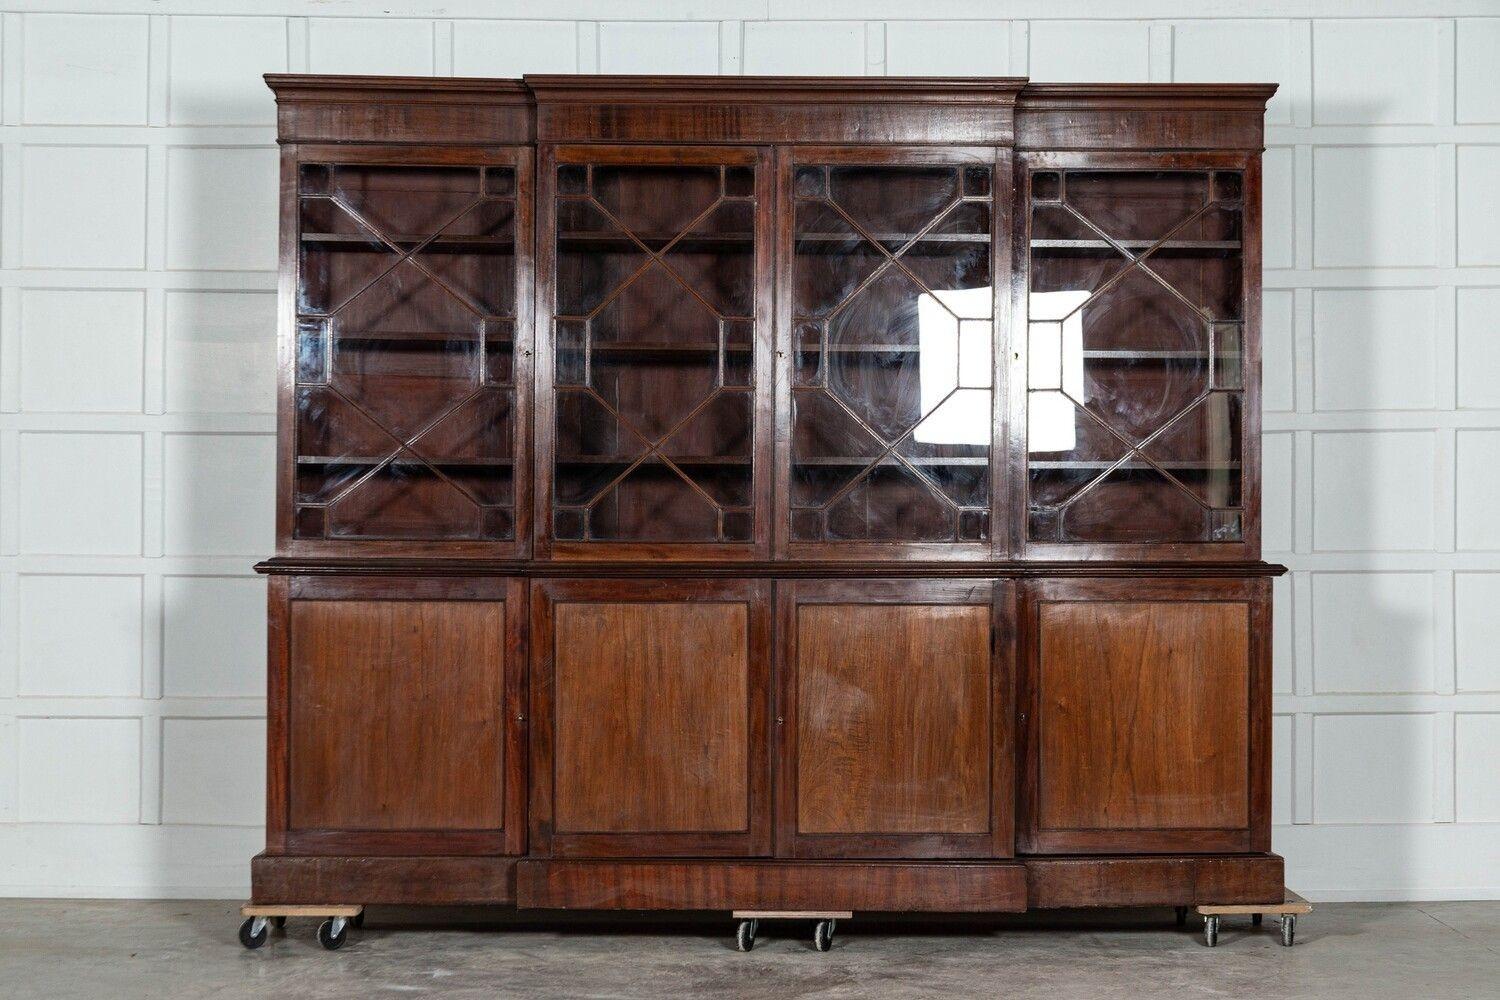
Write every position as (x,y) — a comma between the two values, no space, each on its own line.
(949,887)
(616,471)
(1147,881)
(652,710)
(893,716)
(1143,715)
(428,678)
(1147,706)
(650,701)
(376,879)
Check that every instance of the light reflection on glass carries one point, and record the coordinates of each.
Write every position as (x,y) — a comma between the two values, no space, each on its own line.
(1055,367)
(956,366)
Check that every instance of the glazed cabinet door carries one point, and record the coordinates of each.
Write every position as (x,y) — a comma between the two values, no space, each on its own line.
(406,350)
(1141,357)
(894,719)
(654,376)
(397,716)
(650,700)
(888,319)
(1147,722)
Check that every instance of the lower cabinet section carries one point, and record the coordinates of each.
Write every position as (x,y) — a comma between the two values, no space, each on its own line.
(895,723)
(853,744)
(650,705)
(399,707)
(1147,727)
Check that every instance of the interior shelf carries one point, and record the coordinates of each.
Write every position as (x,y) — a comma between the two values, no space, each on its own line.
(1179,247)
(1135,466)
(479,463)
(370,242)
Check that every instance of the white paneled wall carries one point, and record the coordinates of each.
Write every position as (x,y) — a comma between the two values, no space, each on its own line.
(137,255)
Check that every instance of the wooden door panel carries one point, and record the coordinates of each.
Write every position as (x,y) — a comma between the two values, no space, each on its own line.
(893,719)
(651,701)
(1145,718)
(644,691)
(896,736)
(402,721)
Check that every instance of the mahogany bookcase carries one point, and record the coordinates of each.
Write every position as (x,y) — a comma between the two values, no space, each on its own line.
(789,494)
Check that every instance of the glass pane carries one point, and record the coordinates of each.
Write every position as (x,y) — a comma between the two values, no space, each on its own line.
(406,317)
(654,347)
(893,307)
(1134,356)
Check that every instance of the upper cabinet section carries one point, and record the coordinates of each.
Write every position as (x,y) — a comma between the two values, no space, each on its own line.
(406,407)
(890,351)
(655,366)
(763,319)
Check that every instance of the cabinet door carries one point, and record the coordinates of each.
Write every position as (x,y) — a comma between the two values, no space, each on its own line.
(397,717)
(887,370)
(409,350)
(1149,725)
(894,718)
(650,702)
(654,373)
(1142,366)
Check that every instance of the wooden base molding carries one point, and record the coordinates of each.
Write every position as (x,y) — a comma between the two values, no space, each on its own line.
(934,887)
(386,881)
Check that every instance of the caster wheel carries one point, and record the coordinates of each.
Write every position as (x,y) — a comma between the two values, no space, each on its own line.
(823,935)
(1211,930)
(744,935)
(358,920)
(253,932)
(333,932)
(1288,929)
(280,923)
(1256,919)
(1182,916)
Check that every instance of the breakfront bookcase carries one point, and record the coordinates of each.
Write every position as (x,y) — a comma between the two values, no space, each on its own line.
(768,494)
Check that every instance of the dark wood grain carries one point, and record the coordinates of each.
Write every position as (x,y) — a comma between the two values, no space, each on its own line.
(951,887)
(375,879)
(1145,705)
(650,710)
(1160,881)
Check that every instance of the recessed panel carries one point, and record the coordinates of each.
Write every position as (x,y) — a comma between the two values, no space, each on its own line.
(395,715)
(652,718)
(1144,715)
(893,719)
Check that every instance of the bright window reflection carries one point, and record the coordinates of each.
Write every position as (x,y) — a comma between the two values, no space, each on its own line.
(1054,370)
(955,335)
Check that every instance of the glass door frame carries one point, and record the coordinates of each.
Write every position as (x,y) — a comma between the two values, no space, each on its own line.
(549,157)
(1248,548)
(1000,160)
(293,157)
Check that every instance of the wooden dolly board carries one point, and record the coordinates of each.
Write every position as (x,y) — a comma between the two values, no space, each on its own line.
(1288,910)
(825,921)
(332,932)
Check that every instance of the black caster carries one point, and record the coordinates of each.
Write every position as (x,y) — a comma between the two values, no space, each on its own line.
(359,920)
(1182,916)
(1211,929)
(744,934)
(1288,929)
(280,923)
(253,932)
(333,932)
(823,934)
(1256,918)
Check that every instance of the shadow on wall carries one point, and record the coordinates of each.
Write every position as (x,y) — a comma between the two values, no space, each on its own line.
(218,501)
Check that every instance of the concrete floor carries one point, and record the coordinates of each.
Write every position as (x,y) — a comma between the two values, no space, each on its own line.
(117,950)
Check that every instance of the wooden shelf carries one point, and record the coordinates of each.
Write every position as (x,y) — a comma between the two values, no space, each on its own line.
(1130,355)
(420,336)
(734,460)
(836,461)
(641,347)
(367,241)
(1134,466)
(478,463)
(1207,248)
